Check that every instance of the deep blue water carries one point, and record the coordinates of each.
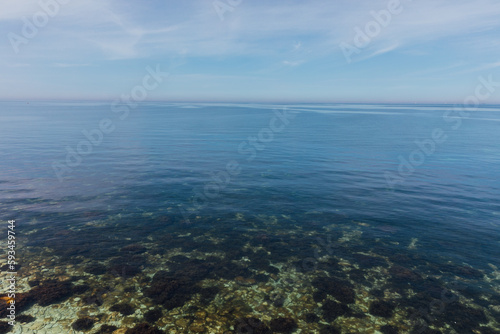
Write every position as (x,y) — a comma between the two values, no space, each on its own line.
(326,165)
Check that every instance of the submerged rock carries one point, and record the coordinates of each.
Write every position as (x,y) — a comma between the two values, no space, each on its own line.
(152,316)
(106,329)
(311,318)
(22,302)
(381,309)
(25,318)
(332,310)
(5,327)
(387,329)
(134,249)
(83,324)
(251,325)
(123,308)
(51,292)
(329,330)
(95,269)
(168,291)
(342,291)
(283,325)
(462,318)
(144,328)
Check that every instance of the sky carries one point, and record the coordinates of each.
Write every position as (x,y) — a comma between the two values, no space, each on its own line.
(420,51)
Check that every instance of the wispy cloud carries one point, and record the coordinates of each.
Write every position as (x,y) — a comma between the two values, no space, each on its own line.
(259,37)
(63,65)
(293,63)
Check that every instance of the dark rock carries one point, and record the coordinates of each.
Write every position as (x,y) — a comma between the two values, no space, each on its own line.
(83,324)
(51,292)
(126,266)
(366,261)
(179,258)
(342,291)
(152,316)
(123,308)
(25,318)
(462,271)
(403,274)
(168,291)
(79,289)
(319,296)
(311,318)
(329,330)
(251,325)
(106,329)
(5,327)
(425,331)
(144,328)
(34,282)
(22,302)
(95,269)
(387,329)
(134,249)
(381,309)
(332,310)
(283,325)
(93,299)
(208,293)
(463,319)
(124,270)
(262,278)
(130,289)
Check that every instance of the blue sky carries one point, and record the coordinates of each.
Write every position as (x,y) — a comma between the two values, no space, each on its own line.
(250,50)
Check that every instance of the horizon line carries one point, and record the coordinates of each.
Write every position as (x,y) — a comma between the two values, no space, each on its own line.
(263,101)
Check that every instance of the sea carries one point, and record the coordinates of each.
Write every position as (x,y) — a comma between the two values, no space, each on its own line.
(162,217)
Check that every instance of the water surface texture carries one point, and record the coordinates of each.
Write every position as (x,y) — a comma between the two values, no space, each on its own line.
(251,218)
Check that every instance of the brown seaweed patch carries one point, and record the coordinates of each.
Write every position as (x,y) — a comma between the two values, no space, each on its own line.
(144,328)
(52,291)
(22,301)
(4,327)
(106,329)
(123,308)
(25,318)
(152,316)
(251,325)
(95,269)
(387,329)
(381,309)
(134,249)
(329,330)
(332,310)
(462,318)
(283,325)
(342,291)
(169,292)
(83,324)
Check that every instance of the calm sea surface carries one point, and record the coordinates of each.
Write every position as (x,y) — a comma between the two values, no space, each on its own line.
(339,217)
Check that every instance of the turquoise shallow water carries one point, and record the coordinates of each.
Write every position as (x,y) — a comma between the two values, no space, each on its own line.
(369,212)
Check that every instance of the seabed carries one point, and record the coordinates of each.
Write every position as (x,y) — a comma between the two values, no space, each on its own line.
(243,274)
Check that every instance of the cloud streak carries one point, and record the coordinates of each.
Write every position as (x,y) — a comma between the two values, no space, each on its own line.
(261,37)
